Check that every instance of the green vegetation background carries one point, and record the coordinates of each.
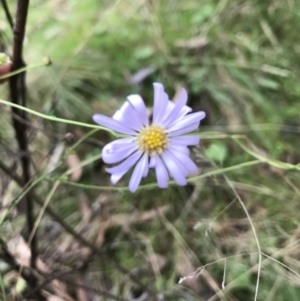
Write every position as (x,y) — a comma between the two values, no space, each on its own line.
(240,62)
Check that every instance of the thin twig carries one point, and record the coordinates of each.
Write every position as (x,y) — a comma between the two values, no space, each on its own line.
(18,96)
(8,14)
(15,84)
(254,234)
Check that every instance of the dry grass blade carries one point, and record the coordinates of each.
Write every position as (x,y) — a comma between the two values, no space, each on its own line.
(73,163)
(184,267)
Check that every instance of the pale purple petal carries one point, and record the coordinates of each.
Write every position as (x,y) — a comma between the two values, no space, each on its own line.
(163,110)
(160,103)
(128,116)
(173,156)
(126,164)
(162,175)
(186,121)
(115,178)
(152,162)
(185,161)
(138,172)
(174,169)
(130,122)
(146,170)
(185,110)
(177,110)
(184,130)
(179,148)
(122,143)
(164,107)
(139,106)
(119,171)
(169,108)
(185,140)
(118,150)
(113,124)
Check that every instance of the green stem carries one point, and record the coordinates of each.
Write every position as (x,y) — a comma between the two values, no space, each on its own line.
(275,163)
(56,119)
(151,185)
(18,199)
(2,288)
(27,68)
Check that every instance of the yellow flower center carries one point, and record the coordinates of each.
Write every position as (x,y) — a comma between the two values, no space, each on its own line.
(152,140)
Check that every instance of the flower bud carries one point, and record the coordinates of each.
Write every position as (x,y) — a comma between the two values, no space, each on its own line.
(4,59)
(5,66)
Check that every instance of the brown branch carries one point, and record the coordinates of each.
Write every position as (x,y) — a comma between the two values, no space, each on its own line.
(17,88)
(18,96)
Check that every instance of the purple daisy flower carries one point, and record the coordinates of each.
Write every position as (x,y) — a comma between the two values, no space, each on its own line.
(159,144)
